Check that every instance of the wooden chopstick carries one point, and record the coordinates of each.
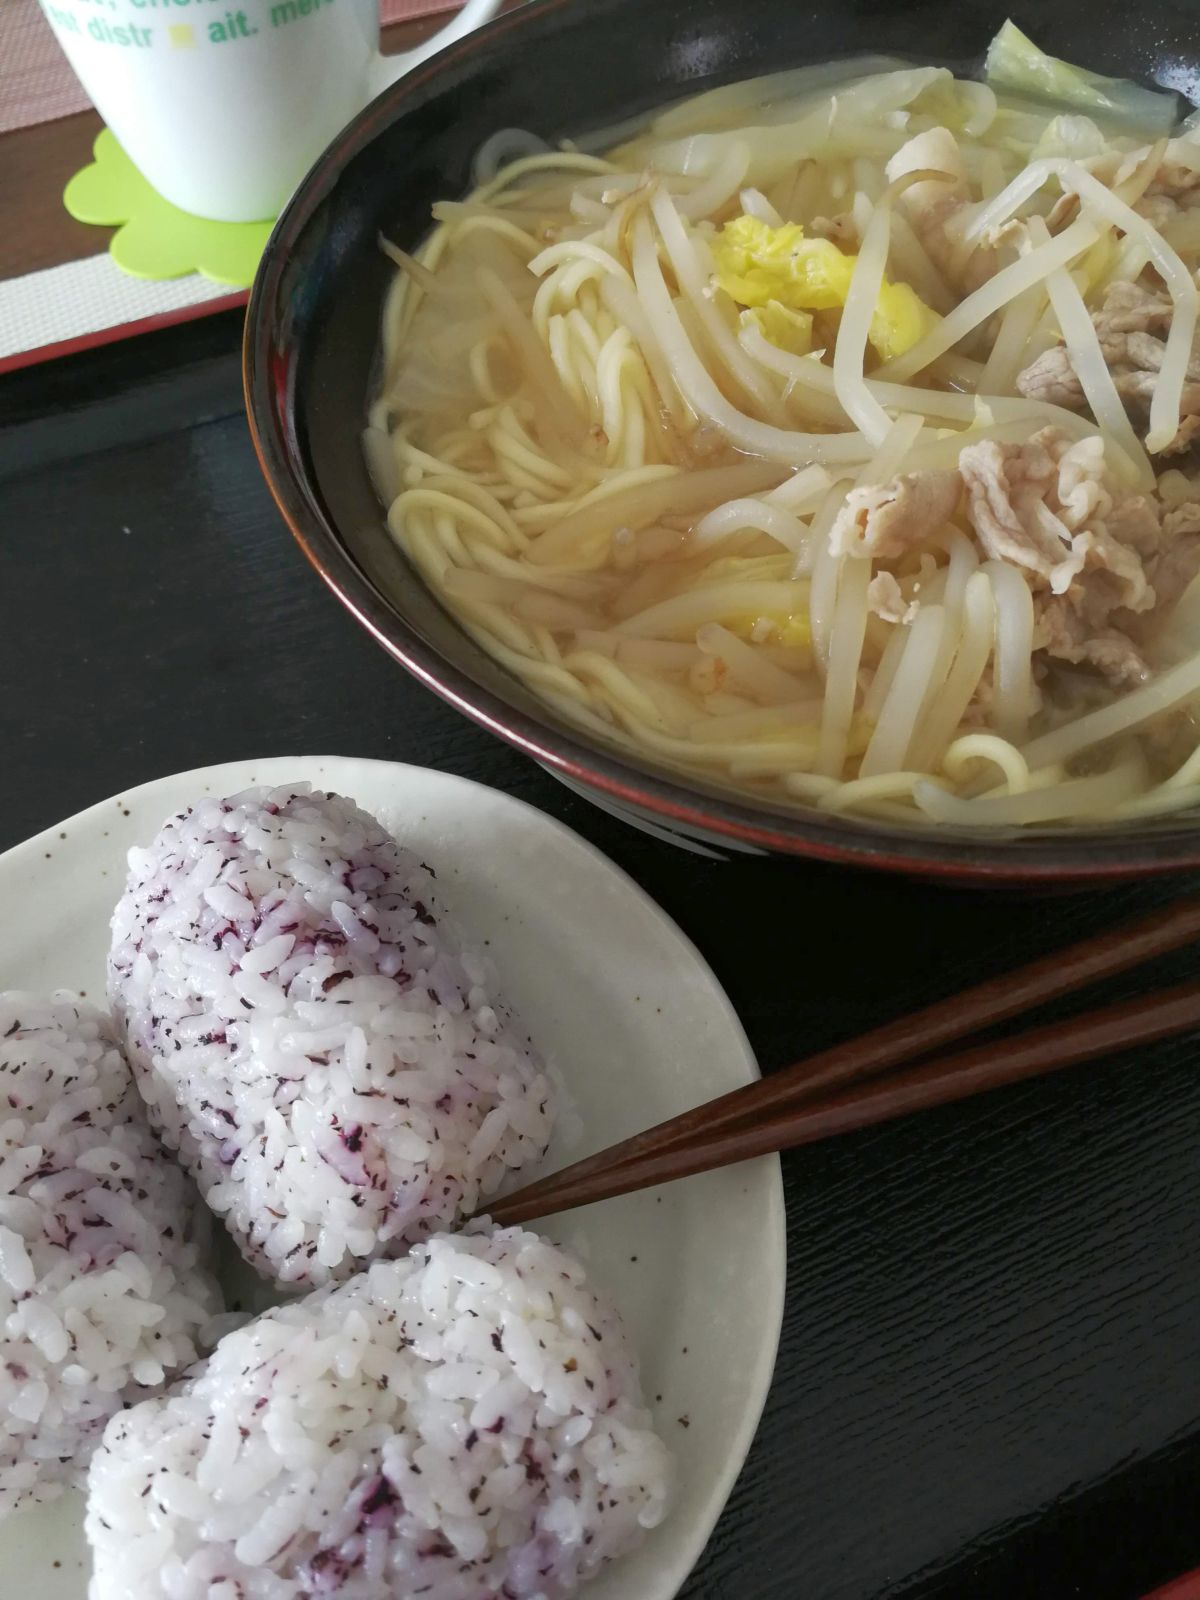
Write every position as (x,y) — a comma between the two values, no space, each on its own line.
(934,1083)
(907,1039)
(755,1119)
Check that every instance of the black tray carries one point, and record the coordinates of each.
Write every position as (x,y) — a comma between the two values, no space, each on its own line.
(989,1382)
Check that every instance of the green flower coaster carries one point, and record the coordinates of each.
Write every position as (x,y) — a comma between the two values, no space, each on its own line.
(154,239)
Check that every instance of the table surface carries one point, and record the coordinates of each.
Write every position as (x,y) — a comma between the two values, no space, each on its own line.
(989,1380)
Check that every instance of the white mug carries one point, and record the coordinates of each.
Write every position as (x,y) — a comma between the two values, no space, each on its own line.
(225,104)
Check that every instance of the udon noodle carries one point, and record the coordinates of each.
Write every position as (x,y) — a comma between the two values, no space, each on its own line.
(831,438)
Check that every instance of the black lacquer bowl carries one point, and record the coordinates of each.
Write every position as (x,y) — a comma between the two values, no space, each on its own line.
(562,68)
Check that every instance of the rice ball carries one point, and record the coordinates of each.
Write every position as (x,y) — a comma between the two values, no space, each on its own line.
(333,1066)
(101,1297)
(463,1424)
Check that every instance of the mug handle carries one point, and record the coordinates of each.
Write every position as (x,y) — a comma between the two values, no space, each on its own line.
(388,68)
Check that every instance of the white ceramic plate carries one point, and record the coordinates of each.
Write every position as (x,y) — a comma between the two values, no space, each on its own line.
(638,1025)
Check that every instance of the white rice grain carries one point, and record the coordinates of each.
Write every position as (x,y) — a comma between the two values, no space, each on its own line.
(380,1439)
(337,1074)
(100,1290)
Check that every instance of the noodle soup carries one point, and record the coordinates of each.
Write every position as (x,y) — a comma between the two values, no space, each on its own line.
(831,438)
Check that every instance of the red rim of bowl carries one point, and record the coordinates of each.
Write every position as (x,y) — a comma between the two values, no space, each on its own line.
(1063,858)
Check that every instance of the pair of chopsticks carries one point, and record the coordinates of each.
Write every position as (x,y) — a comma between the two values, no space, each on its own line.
(844,1088)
